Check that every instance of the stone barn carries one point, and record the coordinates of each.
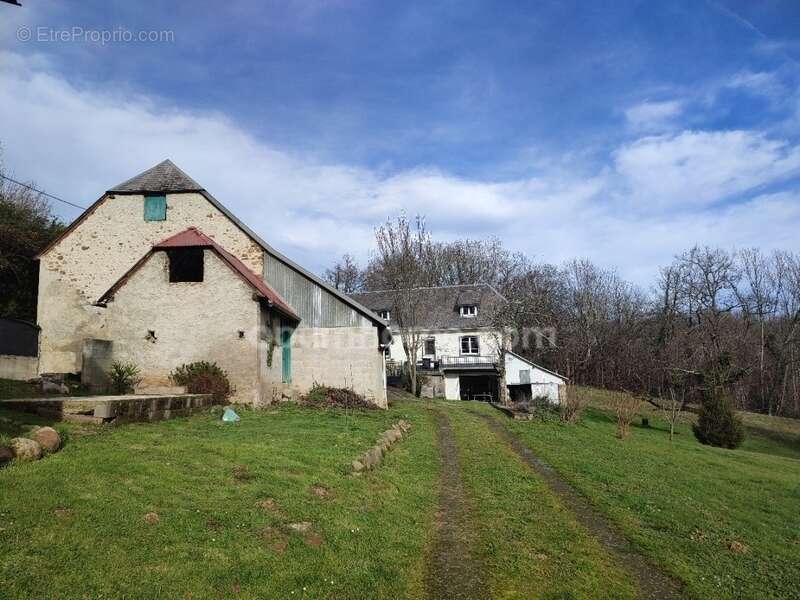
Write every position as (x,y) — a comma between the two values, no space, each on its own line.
(159,273)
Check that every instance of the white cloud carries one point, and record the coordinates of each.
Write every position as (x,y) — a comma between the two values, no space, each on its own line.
(699,168)
(77,142)
(653,116)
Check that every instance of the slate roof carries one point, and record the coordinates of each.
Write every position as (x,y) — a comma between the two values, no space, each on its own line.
(440,305)
(194,238)
(164,177)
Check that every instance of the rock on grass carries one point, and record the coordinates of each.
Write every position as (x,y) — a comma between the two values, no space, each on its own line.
(48,439)
(26,450)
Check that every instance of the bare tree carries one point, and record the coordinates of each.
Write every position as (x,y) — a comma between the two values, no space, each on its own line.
(345,275)
(759,301)
(403,252)
(710,296)
(27,225)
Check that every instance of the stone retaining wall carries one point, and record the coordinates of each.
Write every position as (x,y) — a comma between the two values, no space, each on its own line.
(102,409)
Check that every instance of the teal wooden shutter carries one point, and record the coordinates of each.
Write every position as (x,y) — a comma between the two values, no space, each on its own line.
(286,347)
(155,208)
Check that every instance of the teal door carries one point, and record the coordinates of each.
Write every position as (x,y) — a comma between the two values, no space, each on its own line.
(286,347)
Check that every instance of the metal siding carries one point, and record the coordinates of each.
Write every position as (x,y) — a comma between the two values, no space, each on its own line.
(315,305)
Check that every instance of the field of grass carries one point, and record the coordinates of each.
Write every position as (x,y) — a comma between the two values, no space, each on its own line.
(195,508)
(724,521)
(530,545)
(74,524)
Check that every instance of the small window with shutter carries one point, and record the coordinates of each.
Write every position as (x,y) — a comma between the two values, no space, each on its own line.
(155,208)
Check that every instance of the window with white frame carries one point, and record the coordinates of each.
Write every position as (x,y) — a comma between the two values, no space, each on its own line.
(469,310)
(469,344)
(384,314)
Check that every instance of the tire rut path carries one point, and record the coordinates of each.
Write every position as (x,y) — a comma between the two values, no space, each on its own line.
(453,571)
(653,582)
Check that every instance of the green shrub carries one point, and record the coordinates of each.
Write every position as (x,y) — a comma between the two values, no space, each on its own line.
(124,377)
(717,422)
(203,377)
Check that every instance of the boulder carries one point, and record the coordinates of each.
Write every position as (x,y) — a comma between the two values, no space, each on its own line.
(6,455)
(48,438)
(26,450)
(358,466)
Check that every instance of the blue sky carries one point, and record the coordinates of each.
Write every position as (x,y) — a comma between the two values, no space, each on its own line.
(619,131)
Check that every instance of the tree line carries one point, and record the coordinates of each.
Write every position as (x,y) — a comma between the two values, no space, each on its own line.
(27,225)
(715,323)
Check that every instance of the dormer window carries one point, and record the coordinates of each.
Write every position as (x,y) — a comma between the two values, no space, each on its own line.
(384,314)
(469,310)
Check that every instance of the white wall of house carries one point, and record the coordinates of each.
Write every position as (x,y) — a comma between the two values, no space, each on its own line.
(448,343)
(90,259)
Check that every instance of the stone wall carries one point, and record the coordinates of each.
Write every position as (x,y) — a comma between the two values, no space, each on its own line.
(79,268)
(189,321)
(339,357)
(20,368)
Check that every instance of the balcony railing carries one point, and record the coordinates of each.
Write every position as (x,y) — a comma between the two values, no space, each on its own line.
(468,362)
(394,368)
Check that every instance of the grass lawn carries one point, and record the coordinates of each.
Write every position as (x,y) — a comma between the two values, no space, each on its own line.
(76,523)
(530,545)
(686,504)
(73,524)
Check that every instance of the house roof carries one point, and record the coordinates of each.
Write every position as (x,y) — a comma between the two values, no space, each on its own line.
(194,238)
(166,177)
(440,305)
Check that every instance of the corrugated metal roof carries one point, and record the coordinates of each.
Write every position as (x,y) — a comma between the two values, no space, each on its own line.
(194,238)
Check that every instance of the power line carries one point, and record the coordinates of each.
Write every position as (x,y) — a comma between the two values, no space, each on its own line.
(25,185)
